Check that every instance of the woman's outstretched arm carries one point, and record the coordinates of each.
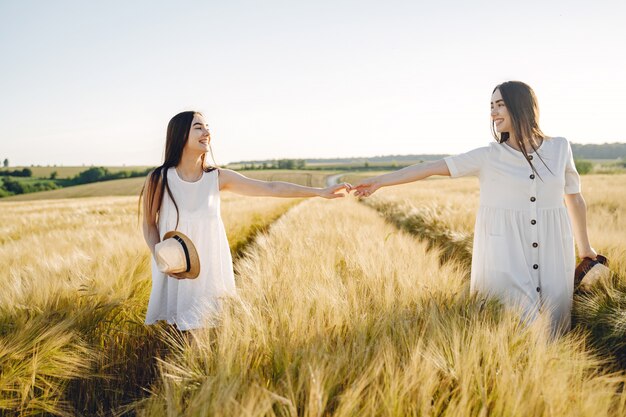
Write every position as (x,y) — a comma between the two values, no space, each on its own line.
(237,183)
(405,175)
(577,210)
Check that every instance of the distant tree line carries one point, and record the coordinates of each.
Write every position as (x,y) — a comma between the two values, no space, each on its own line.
(12,186)
(603,151)
(385,159)
(21,181)
(590,151)
(97,174)
(301,163)
(26,172)
(274,164)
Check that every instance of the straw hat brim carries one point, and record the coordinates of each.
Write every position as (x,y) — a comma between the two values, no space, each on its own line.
(194,259)
(597,273)
(589,271)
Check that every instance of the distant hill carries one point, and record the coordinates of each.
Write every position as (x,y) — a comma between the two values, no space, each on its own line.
(126,186)
(581,151)
(602,151)
(381,159)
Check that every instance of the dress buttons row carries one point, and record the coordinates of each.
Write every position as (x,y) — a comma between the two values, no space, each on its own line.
(533,221)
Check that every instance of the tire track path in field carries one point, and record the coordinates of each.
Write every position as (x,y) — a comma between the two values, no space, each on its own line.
(238,249)
(262,225)
(453,246)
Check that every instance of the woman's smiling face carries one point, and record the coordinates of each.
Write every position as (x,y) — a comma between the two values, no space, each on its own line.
(199,136)
(499,114)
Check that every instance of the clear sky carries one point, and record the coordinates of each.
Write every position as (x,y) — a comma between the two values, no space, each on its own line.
(86,82)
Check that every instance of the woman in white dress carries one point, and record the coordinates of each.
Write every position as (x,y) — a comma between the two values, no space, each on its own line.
(183,194)
(523,252)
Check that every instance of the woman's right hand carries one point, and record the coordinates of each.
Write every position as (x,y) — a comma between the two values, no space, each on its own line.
(333,190)
(366,187)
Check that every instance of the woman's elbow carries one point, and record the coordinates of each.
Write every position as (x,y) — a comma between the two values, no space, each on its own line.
(440,168)
(575,200)
(271,188)
(149,226)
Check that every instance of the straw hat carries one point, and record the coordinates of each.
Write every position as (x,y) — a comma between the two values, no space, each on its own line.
(176,256)
(589,271)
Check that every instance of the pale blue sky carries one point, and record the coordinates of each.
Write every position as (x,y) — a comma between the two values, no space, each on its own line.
(97,82)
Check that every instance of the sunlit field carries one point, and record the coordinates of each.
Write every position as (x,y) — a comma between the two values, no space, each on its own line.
(76,280)
(345,308)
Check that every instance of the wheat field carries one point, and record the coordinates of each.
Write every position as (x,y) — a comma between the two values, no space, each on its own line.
(344,308)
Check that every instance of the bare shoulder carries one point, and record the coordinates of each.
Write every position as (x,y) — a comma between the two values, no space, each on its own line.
(227,177)
(225,171)
(227,174)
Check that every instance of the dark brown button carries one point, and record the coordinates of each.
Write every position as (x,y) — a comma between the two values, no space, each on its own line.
(538,289)
(535,244)
(532,176)
(533,199)
(535,266)
(530,157)
(533,221)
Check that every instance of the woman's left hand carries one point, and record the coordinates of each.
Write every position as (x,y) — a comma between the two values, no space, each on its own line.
(588,253)
(333,190)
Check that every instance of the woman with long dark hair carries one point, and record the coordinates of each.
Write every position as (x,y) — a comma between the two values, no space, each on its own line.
(523,252)
(183,196)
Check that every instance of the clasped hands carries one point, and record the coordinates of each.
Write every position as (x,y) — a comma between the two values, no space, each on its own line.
(364,188)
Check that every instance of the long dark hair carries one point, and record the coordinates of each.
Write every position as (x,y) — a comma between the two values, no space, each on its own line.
(521,103)
(177,136)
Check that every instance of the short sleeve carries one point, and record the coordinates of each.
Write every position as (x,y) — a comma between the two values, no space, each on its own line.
(572,179)
(468,163)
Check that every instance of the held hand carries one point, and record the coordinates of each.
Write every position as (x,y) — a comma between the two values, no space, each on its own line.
(334,190)
(588,253)
(366,188)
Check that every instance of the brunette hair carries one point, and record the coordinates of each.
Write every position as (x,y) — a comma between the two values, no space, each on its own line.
(177,136)
(521,103)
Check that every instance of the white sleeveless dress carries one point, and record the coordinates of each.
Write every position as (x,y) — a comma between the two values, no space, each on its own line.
(193,303)
(523,243)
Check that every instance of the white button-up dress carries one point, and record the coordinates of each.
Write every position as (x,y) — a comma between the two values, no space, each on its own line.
(523,250)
